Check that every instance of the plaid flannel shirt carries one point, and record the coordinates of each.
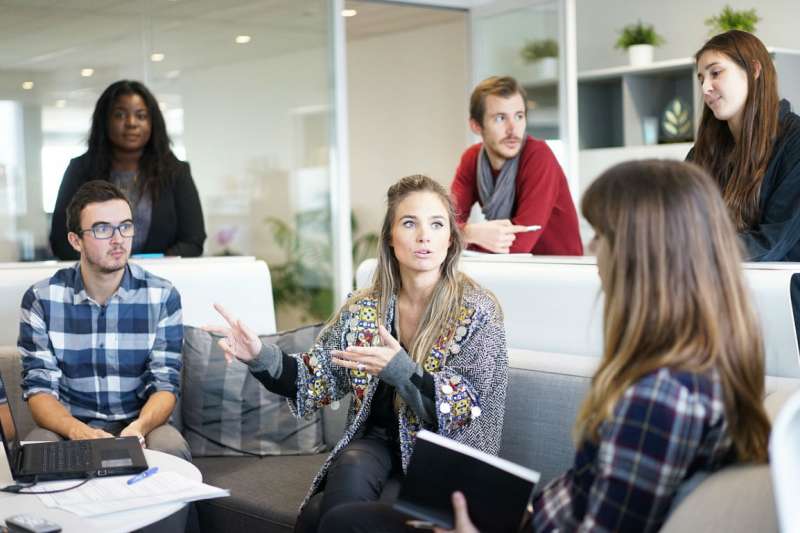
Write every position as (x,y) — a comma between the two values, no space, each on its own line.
(666,427)
(101,362)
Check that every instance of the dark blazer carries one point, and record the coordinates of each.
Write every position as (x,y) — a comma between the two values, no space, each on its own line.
(176,226)
(776,237)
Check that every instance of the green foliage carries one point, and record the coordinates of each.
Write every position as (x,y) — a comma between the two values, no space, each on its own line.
(535,50)
(305,279)
(638,33)
(731,19)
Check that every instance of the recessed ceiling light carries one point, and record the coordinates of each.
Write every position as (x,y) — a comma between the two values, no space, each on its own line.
(172,74)
(87,72)
(27,85)
(157,57)
(163,106)
(242,39)
(349,12)
(61,103)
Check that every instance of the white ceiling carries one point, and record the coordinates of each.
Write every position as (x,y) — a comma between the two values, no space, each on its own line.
(50,41)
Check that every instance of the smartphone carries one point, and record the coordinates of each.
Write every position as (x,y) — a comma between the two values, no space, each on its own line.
(27,523)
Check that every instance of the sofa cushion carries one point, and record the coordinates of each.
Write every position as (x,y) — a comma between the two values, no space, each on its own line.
(265,492)
(11,370)
(226,411)
(544,393)
(735,499)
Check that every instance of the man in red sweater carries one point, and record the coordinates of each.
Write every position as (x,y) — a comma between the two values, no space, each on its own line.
(515,178)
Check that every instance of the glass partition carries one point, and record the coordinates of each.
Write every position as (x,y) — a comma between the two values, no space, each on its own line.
(524,42)
(246,91)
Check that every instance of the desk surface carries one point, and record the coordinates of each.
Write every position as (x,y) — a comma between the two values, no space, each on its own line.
(11,504)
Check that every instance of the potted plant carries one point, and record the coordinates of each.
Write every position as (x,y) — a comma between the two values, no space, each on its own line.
(639,40)
(542,54)
(731,19)
(302,286)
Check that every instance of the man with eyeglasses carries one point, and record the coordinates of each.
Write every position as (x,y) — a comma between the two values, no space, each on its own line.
(101,341)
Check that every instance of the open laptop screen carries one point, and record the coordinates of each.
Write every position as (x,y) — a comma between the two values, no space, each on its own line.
(9,430)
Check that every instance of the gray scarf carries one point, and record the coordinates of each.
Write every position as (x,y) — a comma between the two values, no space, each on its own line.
(497,196)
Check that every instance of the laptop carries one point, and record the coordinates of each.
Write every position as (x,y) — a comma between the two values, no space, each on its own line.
(72,459)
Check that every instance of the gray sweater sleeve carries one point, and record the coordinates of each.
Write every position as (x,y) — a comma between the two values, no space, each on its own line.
(408,378)
(275,370)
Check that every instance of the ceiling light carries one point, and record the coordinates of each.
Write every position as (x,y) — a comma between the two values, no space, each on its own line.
(242,39)
(162,106)
(61,103)
(87,72)
(27,85)
(156,57)
(172,74)
(349,12)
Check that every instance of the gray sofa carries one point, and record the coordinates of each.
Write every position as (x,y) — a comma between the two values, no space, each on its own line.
(544,393)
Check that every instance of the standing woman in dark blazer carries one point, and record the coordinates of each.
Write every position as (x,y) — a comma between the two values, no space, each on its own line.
(129,146)
(749,141)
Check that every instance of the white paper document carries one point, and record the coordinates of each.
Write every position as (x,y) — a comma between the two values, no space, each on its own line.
(113,494)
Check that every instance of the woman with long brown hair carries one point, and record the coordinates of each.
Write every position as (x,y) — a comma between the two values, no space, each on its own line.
(749,141)
(680,384)
(422,348)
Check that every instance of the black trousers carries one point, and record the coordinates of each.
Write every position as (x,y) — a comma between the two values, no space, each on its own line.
(366,472)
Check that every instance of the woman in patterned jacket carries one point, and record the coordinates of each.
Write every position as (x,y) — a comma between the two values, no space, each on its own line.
(678,392)
(423,347)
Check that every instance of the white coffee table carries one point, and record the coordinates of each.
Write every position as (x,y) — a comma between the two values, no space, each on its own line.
(11,504)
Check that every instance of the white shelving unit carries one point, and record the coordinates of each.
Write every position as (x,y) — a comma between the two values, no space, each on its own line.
(612,103)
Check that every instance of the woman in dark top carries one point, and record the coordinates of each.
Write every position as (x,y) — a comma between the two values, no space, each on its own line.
(679,388)
(749,141)
(422,348)
(129,146)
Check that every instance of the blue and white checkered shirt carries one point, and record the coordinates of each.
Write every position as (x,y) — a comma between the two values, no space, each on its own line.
(101,362)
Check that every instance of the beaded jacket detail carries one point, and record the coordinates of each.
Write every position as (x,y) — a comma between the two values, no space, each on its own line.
(468,362)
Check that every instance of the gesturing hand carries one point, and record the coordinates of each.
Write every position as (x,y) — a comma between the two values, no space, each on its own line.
(370,359)
(239,341)
(497,236)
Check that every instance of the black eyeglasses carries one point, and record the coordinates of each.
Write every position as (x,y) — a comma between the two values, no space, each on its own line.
(106,231)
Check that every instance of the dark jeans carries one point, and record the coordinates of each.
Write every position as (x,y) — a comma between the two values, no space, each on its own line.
(367,470)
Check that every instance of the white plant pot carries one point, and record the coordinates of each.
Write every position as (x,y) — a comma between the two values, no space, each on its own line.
(545,68)
(640,54)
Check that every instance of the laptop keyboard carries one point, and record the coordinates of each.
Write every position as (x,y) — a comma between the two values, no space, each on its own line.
(67,456)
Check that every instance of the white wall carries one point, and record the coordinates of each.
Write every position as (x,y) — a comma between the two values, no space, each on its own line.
(408,109)
(241,136)
(680,22)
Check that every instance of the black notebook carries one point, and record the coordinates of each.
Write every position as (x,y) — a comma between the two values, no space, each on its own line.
(498,491)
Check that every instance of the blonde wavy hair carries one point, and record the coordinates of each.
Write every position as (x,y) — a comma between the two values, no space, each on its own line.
(445,302)
(674,294)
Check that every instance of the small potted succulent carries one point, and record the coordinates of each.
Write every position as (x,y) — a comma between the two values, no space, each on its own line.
(639,40)
(731,19)
(543,56)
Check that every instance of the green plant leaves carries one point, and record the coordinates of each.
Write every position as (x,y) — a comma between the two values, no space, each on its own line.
(305,279)
(677,121)
(731,19)
(535,50)
(639,33)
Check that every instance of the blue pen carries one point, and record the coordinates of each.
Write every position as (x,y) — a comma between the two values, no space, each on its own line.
(140,476)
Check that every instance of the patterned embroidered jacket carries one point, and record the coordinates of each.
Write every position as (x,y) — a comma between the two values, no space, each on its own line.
(469,364)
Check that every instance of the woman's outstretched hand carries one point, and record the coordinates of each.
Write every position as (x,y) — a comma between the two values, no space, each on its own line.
(462,522)
(238,340)
(369,359)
